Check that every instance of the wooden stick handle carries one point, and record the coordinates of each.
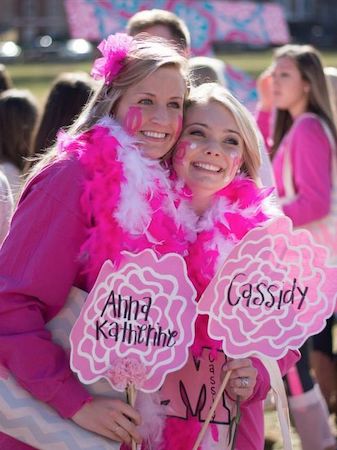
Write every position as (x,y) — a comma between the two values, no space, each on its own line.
(211,411)
(132,393)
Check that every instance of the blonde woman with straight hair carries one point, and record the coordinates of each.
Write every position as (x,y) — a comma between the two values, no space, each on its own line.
(303,149)
(102,189)
(215,167)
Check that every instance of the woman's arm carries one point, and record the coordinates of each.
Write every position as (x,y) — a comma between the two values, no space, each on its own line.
(38,265)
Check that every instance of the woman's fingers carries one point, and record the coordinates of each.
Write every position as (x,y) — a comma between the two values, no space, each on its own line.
(126,428)
(110,418)
(128,411)
(242,379)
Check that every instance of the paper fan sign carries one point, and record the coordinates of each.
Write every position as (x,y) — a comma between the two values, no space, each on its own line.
(274,290)
(137,323)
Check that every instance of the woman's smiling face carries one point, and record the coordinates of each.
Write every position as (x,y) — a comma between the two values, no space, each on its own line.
(152,109)
(210,150)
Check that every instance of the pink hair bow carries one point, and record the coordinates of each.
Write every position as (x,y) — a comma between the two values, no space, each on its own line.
(114,50)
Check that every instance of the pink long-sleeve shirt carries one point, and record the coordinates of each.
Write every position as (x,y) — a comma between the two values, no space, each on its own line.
(310,155)
(38,266)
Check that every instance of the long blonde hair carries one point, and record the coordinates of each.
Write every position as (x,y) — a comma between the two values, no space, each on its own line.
(208,92)
(309,64)
(146,55)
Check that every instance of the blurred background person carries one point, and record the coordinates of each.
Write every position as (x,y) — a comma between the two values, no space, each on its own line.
(322,357)
(303,151)
(18,117)
(205,69)
(331,76)
(162,23)
(67,96)
(5,79)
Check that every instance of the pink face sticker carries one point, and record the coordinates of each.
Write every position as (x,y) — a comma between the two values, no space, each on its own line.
(133,120)
(180,126)
(180,153)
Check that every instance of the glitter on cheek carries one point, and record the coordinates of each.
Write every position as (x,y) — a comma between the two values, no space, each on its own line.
(233,154)
(133,120)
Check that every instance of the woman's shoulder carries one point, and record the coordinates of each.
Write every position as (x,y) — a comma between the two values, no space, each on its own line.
(10,170)
(307,123)
(311,130)
(12,174)
(4,185)
(62,178)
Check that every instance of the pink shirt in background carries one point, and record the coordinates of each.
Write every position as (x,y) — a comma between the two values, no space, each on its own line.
(310,155)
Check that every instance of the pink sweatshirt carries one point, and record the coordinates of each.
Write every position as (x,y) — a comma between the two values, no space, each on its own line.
(310,154)
(33,287)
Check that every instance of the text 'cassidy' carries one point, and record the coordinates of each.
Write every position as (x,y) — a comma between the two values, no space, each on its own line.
(264,294)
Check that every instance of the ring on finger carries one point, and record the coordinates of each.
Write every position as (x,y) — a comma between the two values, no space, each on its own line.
(244,382)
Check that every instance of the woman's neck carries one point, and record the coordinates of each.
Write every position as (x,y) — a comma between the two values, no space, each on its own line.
(299,109)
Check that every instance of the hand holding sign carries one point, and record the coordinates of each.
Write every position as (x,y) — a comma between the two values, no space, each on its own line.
(136,325)
(274,291)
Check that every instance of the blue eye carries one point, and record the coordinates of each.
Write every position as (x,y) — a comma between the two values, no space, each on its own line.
(197,133)
(175,105)
(145,101)
(231,141)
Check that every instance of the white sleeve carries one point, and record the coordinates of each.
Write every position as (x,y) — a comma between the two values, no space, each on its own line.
(6,206)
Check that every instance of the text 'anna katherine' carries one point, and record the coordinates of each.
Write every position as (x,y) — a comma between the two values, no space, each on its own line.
(131,323)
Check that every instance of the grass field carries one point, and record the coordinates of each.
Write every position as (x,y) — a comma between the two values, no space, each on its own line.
(38,76)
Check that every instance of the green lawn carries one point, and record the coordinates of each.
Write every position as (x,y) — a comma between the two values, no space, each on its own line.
(38,76)
(255,62)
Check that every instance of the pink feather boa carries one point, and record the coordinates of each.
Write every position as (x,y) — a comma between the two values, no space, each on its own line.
(127,199)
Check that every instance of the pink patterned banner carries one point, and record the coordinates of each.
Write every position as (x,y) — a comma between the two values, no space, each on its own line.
(208,21)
